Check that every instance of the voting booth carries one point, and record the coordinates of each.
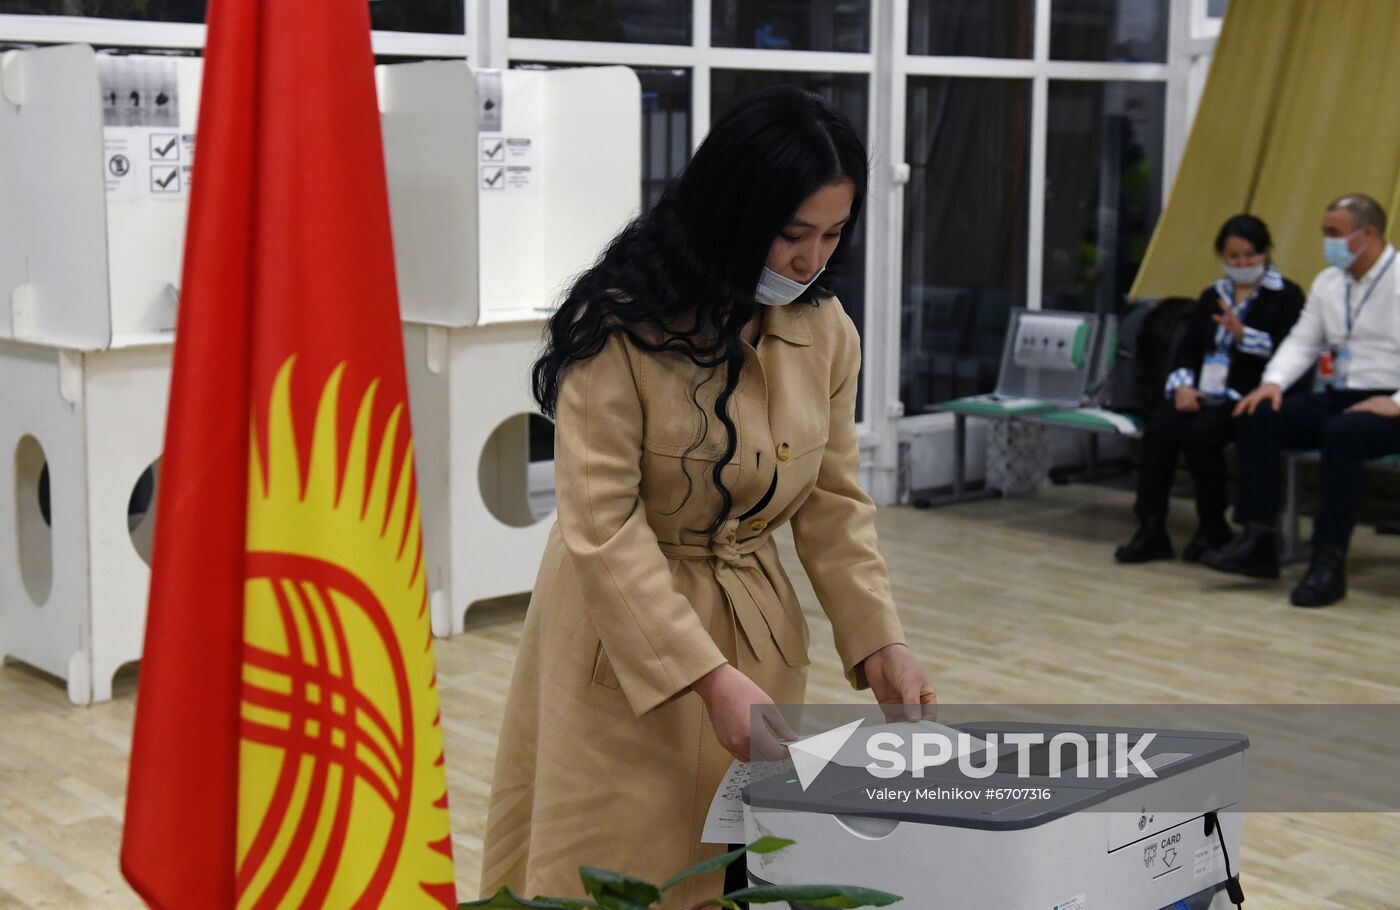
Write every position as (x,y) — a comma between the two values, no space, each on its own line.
(95,158)
(503,186)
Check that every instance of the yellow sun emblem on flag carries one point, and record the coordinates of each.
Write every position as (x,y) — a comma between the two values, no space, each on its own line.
(342,790)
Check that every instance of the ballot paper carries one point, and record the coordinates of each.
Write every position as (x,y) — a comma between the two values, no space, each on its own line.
(724,824)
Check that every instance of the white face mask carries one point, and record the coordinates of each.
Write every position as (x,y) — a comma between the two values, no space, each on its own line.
(778,290)
(1245,274)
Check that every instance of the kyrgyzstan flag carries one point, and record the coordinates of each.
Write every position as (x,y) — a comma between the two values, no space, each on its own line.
(288,749)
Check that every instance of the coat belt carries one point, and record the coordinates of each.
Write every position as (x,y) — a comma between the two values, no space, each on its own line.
(743,580)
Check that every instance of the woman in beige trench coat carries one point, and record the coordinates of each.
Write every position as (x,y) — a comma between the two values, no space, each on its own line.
(691,422)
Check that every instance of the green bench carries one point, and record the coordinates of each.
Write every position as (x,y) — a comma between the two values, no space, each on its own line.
(994,407)
(1294,550)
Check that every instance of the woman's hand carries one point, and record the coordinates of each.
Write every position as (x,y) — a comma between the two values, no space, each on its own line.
(1228,319)
(1188,399)
(730,697)
(900,685)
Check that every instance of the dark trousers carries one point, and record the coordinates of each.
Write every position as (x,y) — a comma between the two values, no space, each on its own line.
(1203,436)
(736,874)
(1347,442)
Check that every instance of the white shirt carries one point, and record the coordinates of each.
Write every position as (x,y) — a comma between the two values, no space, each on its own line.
(1375,332)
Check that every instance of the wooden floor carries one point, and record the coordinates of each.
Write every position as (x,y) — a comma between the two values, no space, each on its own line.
(1006,602)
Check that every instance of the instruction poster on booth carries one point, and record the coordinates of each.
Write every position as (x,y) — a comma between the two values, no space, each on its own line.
(147,163)
(145,153)
(509,164)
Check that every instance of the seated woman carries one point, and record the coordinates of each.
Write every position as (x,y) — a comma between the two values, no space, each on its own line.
(1229,337)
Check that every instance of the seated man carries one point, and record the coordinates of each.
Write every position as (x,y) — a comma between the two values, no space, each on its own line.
(1352,317)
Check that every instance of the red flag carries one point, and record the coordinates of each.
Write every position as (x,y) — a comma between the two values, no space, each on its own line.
(288,747)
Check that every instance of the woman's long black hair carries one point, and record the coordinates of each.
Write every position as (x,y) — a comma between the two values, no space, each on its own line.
(684,274)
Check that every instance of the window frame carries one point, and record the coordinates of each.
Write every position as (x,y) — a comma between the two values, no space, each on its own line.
(702,59)
(888,65)
(139,33)
(1040,70)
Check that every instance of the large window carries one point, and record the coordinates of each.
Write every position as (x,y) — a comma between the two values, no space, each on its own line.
(972,28)
(148,10)
(430,16)
(1103,189)
(1132,31)
(809,25)
(849,93)
(634,21)
(665,128)
(968,147)
(435,16)
(1035,173)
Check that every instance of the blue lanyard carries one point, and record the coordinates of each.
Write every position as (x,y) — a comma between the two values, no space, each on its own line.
(1385,268)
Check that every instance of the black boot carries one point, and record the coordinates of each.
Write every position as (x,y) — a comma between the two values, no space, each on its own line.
(1326,580)
(1210,535)
(1149,543)
(1255,554)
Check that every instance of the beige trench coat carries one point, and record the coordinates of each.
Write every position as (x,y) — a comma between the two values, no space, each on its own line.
(606,758)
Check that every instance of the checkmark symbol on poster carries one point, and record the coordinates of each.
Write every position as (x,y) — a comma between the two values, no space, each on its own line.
(164,183)
(494,177)
(165,146)
(491,149)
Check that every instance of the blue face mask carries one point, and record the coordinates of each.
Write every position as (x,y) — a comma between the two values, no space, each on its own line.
(1337,251)
(779,290)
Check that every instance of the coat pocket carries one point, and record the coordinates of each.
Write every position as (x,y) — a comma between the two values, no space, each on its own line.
(603,674)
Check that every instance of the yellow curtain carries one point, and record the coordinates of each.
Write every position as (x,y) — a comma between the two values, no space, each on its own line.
(1302,105)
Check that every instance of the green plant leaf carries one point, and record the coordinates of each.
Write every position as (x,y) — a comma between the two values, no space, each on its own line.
(713,864)
(618,891)
(716,863)
(846,896)
(505,899)
(769,844)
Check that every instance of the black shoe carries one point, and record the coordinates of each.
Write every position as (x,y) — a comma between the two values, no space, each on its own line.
(1149,543)
(1255,554)
(1326,580)
(1211,535)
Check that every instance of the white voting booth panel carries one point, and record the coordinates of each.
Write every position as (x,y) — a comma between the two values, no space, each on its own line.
(553,171)
(73,587)
(95,157)
(480,539)
(94,179)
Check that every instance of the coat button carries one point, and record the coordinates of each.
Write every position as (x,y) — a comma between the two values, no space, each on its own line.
(784,453)
(758,524)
